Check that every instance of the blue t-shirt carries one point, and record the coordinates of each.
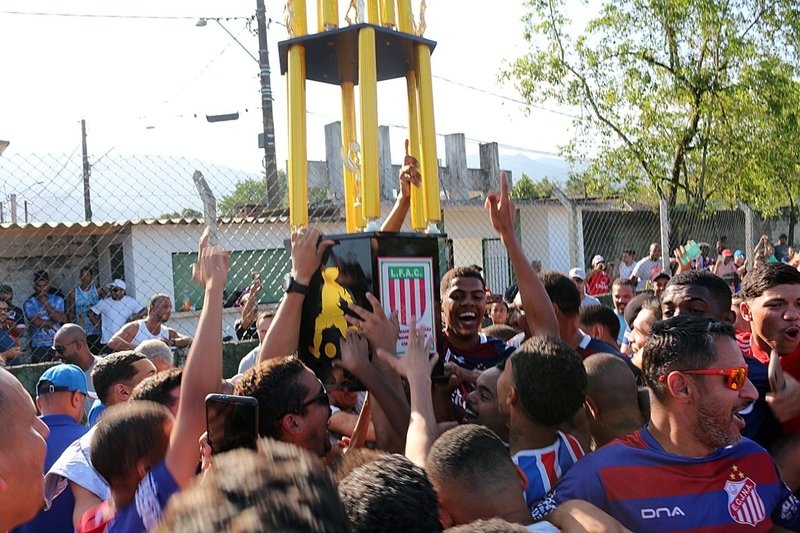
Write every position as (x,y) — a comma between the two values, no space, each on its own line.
(648,489)
(42,337)
(6,341)
(95,412)
(64,430)
(145,512)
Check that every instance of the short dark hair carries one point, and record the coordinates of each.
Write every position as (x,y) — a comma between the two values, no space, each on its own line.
(717,288)
(502,331)
(620,281)
(41,275)
(390,494)
(470,455)
(278,487)
(459,272)
(130,432)
(491,525)
(562,291)
(600,314)
(638,303)
(276,386)
(88,269)
(344,463)
(156,388)
(550,378)
(681,342)
(112,369)
(767,276)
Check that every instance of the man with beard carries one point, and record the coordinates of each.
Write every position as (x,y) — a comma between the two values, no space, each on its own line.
(293,405)
(152,327)
(113,311)
(699,471)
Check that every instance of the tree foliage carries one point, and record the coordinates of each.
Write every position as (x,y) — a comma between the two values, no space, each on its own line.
(251,191)
(186,212)
(527,189)
(691,100)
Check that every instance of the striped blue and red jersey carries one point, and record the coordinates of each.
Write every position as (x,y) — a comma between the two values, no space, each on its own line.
(647,489)
(545,466)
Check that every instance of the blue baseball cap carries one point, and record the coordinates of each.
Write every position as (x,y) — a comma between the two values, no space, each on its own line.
(64,377)
(738,253)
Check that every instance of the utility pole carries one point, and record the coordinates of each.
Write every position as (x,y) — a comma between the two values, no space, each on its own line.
(267,139)
(87,169)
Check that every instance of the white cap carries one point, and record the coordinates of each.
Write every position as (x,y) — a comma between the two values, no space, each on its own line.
(118,283)
(597,259)
(577,272)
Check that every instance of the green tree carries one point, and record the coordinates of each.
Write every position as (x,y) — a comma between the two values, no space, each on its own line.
(527,189)
(248,192)
(670,92)
(186,212)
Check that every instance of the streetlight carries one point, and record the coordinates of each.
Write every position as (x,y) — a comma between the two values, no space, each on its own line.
(266,140)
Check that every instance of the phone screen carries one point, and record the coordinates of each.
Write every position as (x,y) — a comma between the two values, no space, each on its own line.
(231,422)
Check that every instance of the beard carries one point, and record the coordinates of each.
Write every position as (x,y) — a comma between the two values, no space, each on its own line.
(713,428)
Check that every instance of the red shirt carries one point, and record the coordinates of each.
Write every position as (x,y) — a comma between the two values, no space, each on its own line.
(598,282)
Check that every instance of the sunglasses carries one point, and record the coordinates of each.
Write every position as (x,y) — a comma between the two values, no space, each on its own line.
(61,347)
(321,398)
(116,289)
(734,377)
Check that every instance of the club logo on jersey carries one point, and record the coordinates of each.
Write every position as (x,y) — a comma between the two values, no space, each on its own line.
(407,292)
(744,503)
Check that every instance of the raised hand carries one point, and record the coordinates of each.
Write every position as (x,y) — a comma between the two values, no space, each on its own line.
(502,211)
(211,268)
(409,172)
(307,252)
(381,331)
(418,362)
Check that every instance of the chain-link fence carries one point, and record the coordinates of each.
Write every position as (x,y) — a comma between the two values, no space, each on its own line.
(138,219)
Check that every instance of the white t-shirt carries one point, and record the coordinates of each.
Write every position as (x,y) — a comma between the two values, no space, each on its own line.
(115,314)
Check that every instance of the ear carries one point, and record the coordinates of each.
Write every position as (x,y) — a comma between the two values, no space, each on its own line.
(76,400)
(513,396)
(121,392)
(290,424)
(744,309)
(679,387)
(38,405)
(591,407)
(729,317)
(445,518)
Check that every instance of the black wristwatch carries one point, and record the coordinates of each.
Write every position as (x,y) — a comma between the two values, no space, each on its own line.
(292,285)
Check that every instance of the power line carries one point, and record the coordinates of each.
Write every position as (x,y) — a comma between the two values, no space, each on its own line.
(502,97)
(109,16)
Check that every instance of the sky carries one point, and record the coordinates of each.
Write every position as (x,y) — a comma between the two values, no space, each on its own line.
(144,76)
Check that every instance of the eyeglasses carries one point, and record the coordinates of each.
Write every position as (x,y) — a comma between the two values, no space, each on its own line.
(321,398)
(4,309)
(734,377)
(61,347)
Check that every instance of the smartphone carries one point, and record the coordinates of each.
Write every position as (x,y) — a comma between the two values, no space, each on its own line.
(231,422)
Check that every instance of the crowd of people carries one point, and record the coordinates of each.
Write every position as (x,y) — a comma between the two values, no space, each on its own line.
(109,319)
(676,408)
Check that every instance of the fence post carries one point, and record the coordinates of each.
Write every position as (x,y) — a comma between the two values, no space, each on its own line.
(749,238)
(333,159)
(663,219)
(575,229)
(456,180)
